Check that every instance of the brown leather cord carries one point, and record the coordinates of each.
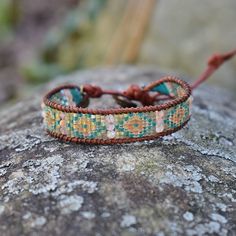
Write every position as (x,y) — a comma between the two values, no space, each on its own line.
(214,62)
(93,91)
(114,141)
(133,92)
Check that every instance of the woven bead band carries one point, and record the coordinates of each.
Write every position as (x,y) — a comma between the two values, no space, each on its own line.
(66,116)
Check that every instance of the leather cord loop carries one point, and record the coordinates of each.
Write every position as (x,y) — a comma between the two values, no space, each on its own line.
(93,91)
(134,92)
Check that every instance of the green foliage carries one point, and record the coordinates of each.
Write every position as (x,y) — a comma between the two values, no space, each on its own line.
(39,72)
(9,13)
(66,47)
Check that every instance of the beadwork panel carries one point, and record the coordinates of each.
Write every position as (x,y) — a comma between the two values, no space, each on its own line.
(118,126)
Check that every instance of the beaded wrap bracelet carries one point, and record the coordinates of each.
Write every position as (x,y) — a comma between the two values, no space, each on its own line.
(67,117)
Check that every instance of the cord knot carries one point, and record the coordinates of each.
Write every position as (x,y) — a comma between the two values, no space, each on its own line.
(216,60)
(93,91)
(134,92)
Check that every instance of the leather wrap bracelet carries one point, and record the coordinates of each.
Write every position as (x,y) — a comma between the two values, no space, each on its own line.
(166,109)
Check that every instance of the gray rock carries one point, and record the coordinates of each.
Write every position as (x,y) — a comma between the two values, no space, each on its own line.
(183,184)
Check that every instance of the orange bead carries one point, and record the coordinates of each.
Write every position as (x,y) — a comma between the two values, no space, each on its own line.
(62,123)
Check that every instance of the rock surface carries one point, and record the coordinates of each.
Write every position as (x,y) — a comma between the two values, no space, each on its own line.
(183,184)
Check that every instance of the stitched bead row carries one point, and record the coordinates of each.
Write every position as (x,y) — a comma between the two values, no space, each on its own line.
(129,125)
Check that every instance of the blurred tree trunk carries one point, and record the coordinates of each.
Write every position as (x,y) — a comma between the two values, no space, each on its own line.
(128,37)
(95,33)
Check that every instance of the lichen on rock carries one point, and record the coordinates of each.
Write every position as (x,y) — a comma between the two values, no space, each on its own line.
(182,184)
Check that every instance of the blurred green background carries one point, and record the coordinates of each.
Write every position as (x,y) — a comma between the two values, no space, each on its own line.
(42,39)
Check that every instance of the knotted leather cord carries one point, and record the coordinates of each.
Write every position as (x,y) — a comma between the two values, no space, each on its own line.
(134,93)
(214,62)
